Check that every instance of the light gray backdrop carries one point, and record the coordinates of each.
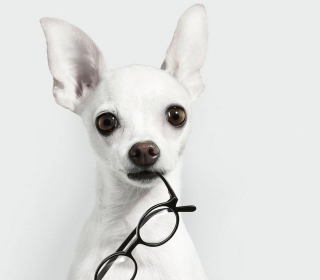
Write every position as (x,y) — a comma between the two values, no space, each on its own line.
(252,162)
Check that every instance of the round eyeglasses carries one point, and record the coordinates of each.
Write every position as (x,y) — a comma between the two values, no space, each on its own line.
(156,227)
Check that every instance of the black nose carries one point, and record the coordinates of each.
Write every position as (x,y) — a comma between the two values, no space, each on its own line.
(144,153)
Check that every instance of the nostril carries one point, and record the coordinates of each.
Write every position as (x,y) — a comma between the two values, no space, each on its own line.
(135,152)
(153,151)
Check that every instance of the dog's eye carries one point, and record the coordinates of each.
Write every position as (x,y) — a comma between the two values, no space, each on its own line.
(176,116)
(106,123)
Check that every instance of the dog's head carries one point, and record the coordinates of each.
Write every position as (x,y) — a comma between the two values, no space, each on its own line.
(137,116)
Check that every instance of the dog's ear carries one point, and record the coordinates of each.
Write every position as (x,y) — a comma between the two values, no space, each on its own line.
(188,48)
(74,61)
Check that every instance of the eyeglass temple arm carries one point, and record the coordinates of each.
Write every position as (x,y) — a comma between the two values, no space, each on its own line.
(170,190)
(186,208)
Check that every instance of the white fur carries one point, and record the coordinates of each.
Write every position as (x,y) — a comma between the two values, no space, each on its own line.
(138,96)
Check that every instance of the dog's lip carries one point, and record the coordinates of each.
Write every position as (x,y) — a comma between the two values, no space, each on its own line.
(144,175)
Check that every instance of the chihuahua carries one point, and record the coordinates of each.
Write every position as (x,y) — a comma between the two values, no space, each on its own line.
(138,121)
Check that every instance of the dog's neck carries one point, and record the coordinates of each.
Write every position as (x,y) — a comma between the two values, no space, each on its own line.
(120,200)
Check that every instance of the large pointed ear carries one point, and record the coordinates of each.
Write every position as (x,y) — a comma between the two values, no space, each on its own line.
(188,48)
(74,61)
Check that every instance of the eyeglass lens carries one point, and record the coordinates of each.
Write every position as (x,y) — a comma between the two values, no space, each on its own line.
(120,267)
(158,225)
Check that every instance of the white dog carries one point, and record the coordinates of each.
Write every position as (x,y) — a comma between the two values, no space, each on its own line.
(138,120)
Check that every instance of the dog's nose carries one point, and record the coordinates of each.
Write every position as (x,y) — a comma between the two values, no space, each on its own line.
(144,153)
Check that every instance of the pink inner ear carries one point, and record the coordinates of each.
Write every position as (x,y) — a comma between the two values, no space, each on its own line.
(74,61)
(164,65)
(87,75)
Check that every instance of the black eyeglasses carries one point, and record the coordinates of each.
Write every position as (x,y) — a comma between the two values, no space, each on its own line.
(156,227)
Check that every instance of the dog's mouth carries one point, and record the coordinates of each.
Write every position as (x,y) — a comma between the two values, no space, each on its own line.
(143,176)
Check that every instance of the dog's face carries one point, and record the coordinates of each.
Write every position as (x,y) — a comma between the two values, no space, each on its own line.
(137,116)
(146,113)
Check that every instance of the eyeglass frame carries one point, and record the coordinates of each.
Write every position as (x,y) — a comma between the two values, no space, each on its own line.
(171,203)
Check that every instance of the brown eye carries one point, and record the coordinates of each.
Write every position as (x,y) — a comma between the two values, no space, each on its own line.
(106,123)
(176,116)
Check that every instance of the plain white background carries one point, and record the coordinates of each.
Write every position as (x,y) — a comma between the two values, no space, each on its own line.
(251,165)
